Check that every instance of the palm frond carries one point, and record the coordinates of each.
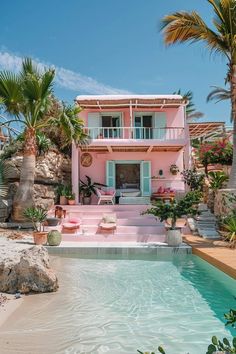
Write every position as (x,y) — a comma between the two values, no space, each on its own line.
(218,94)
(183,26)
(10,92)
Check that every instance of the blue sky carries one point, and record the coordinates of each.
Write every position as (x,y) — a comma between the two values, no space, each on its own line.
(111,46)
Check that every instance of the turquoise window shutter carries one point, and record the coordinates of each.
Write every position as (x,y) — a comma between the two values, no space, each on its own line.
(110,173)
(145,178)
(159,124)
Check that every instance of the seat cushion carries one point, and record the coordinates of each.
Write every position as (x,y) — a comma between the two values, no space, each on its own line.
(68,225)
(74,220)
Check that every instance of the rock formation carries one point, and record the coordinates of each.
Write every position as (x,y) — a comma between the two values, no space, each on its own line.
(51,169)
(26,271)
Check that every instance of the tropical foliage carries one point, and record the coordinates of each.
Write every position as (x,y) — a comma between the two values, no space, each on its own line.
(28,98)
(217,179)
(193,179)
(217,152)
(183,26)
(176,209)
(4,173)
(88,188)
(37,216)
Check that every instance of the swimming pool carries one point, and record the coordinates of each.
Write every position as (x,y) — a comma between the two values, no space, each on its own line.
(118,306)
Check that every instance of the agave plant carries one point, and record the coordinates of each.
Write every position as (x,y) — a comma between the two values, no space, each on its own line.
(37,216)
(230,233)
(217,179)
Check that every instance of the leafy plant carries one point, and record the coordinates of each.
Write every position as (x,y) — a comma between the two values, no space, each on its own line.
(223,346)
(217,179)
(231,318)
(64,190)
(88,188)
(176,209)
(37,216)
(193,179)
(229,225)
(70,196)
(4,173)
(220,151)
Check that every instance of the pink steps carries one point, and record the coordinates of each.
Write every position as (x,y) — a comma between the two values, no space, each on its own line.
(131,226)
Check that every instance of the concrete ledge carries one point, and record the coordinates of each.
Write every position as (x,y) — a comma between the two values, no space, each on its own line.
(123,250)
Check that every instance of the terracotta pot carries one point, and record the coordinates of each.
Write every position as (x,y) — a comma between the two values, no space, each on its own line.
(86,200)
(174,237)
(63,200)
(71,202)
(40,238)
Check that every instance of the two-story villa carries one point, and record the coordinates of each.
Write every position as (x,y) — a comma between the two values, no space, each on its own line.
(134,141)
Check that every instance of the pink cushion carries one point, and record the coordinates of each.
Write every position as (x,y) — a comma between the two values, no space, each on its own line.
(109,192)
(74,220)
(70,225)
(160,190)
(102,192)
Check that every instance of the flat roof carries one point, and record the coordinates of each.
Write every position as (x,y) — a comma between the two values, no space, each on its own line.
(109,101)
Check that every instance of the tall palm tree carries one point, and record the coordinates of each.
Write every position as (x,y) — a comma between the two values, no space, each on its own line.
(221,38)
(27,97)
(191,112)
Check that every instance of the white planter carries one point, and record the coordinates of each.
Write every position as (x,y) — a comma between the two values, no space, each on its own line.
(174,237)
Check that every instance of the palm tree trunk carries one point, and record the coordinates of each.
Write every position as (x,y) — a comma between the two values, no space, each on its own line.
(232,177)
(24,197)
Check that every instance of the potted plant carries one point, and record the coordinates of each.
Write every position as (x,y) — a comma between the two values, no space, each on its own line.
(174,169)
(88,188)
(172,211)
(63,192)
(71,198)
(37,216)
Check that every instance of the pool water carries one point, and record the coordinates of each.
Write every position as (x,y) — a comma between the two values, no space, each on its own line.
(119,306)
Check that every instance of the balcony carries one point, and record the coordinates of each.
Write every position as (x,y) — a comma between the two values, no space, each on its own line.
(120,134)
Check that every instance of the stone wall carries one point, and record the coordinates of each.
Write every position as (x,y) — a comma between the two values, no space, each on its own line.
(51,169)
(222,206)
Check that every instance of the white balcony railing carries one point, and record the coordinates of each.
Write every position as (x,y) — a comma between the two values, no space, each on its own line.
(136,133)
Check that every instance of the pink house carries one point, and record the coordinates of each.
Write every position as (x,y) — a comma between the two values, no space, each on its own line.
(134,141)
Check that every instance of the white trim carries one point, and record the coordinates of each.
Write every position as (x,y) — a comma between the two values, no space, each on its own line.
(127,97)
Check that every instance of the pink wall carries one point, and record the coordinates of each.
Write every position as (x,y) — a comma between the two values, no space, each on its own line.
(175,116)
(159,160)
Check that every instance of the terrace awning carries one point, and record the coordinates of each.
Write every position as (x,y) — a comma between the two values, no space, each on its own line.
(135,101)
(205,129)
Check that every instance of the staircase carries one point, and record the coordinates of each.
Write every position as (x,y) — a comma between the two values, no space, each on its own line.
(206,223)
(131,226)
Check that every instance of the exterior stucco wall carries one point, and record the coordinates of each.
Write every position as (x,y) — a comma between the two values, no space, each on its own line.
(159,160)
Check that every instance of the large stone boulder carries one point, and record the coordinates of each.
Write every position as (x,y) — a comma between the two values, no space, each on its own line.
(26,271)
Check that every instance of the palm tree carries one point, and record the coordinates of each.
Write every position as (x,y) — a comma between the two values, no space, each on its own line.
(191,112)
(27,97)
(189,27)
(64,126)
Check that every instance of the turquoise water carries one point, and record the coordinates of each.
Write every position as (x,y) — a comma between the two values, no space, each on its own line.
(119,306)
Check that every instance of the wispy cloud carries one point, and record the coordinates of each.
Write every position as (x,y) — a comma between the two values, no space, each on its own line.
(65,78)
